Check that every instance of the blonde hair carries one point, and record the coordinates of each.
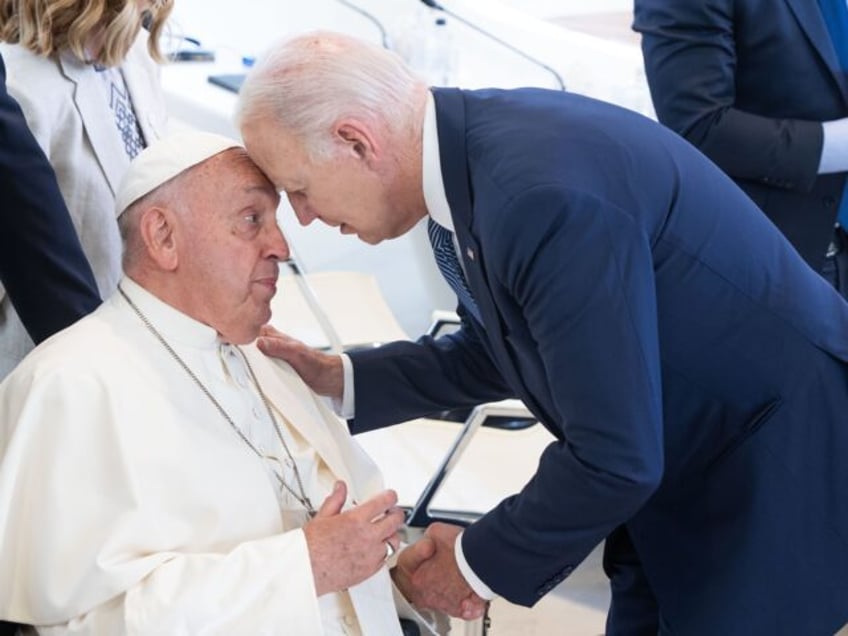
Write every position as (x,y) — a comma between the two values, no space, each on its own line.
(47,27)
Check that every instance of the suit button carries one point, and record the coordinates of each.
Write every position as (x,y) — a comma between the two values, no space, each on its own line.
(829,201)
(546,587)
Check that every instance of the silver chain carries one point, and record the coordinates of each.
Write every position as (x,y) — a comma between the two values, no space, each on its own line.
(303,498)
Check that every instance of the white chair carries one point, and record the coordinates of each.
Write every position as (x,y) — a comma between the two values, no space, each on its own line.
(344,310)
(333,310)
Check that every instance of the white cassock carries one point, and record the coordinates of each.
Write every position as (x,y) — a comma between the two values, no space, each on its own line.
(129,505)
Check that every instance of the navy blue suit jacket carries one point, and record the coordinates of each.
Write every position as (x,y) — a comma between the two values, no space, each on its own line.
(690,365)
(749,82)
(42,265)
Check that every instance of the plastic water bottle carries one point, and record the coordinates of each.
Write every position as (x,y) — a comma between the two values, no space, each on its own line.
(427,46)
(441,56)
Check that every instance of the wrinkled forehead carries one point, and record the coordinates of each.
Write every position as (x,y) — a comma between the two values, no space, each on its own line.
(234,170)
(279,154)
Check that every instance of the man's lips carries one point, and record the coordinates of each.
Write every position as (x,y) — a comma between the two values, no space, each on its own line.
(269,283)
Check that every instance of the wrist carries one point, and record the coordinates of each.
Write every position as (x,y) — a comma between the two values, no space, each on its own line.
(336,388)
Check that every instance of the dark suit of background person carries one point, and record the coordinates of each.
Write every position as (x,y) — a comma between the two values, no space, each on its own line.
(691,366)
(749,82)
(42,266)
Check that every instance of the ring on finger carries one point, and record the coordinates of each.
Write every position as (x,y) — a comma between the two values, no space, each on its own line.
(390,549)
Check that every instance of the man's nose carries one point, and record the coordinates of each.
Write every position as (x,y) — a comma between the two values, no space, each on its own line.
(303,213)
(278,248)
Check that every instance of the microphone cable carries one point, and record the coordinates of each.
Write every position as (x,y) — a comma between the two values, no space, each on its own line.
(438,7)
(368,16)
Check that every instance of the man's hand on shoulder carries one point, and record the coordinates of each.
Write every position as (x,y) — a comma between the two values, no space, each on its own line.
(323,373)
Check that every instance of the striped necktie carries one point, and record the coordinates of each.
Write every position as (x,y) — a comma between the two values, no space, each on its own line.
(441,239)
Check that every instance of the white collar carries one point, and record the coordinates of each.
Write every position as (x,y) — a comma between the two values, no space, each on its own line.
(173,324)
(431,170)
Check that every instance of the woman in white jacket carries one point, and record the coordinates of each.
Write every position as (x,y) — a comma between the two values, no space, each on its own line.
(85,75)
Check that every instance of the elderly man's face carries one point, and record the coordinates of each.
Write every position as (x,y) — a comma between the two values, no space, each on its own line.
(228,258)
(357,194)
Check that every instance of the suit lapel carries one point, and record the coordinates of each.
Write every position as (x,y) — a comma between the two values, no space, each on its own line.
(143,85)
(450,117)
(809,17)
(98,119)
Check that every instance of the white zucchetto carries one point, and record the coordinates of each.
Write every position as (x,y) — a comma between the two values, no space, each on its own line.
(164,159)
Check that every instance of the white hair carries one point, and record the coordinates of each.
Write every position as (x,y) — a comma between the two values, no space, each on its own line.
(307,83)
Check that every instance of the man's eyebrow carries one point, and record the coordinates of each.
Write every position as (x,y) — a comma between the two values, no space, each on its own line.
(265,189)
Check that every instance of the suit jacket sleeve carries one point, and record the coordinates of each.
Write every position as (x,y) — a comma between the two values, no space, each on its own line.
(404,380)
(42,265)
(691,61)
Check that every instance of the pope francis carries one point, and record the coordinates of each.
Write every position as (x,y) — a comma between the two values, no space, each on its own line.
(158,474)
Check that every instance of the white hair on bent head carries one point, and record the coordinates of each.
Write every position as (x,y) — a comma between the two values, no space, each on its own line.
(305,84)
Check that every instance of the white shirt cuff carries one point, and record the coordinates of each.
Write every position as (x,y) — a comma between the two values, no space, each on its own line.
(834,157)
(481,589)
(344,408)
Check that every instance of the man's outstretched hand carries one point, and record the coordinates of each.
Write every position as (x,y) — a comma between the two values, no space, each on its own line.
(427,575)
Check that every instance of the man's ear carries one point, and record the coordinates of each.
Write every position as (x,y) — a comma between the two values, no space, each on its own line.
(157,230)
(359,138)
